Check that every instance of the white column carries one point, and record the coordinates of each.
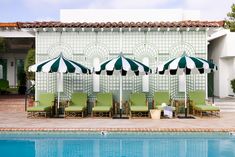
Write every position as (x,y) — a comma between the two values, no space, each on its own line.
(145,78)
(120,81)
(185,91)
(96,78)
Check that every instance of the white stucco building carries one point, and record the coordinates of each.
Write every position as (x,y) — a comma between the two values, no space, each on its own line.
(221,49)
(151,36)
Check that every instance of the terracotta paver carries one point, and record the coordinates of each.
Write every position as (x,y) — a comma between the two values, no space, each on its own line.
(18,120)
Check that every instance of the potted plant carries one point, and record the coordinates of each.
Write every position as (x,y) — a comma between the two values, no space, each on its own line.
(233,85)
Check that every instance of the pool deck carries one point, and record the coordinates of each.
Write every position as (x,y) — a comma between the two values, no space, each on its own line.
(17,121)
(14,118)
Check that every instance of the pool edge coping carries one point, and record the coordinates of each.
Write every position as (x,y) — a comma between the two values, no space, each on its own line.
(124,129)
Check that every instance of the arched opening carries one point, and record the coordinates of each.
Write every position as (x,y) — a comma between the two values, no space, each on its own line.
(145,78)
(96,78)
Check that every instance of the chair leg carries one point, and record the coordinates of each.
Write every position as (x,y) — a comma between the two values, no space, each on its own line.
(82,114)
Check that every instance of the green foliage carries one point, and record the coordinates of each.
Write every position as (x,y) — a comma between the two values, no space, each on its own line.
(230,23)
(4,85)
(233,85)
(29,60)
(2,45)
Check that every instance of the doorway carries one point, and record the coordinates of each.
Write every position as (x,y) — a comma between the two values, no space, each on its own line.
(3,63)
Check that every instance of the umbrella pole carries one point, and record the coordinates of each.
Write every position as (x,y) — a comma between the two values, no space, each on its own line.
(120,101)
(185,96)
(58,105)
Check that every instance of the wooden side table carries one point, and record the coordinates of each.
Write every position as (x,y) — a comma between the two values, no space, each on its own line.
(180,104)
(125,107)
(59,110)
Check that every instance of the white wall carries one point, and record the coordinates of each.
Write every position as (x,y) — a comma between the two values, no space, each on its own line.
(229,46)
(222,51)
(17,34)
(134,15)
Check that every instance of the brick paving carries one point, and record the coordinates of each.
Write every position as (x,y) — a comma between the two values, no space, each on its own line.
(16,119)
(19,121)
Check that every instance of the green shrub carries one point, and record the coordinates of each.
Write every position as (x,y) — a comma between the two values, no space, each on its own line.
(4,85)
(233,85)
(29,60)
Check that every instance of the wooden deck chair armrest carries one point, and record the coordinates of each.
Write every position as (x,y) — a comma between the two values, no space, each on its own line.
(171,102)
(176,103)
(208,102)
(94,103)
(115,104)
(147,103)
(52,104)
(192,103)
(153,105)
(36,103)
(69,102)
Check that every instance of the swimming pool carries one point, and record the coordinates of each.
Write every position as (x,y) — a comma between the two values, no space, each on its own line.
(116,144)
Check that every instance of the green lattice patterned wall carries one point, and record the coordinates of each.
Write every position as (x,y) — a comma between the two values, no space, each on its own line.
(83,47)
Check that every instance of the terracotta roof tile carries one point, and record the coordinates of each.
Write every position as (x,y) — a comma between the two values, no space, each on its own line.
(8,24)
(150,24)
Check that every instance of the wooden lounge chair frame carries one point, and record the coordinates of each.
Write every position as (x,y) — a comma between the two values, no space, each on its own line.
(77,106)
(138,113)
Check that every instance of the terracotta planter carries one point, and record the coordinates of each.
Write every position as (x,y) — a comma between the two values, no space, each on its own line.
(30,102)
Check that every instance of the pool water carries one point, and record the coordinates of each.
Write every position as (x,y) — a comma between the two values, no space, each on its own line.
(116,144)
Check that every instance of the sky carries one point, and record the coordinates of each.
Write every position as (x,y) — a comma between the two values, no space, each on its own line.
(49,10)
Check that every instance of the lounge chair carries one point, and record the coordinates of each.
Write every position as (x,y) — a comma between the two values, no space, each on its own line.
(77,105)
(197,101)
(160,98)
(138,105)
(103,105)
(43,106)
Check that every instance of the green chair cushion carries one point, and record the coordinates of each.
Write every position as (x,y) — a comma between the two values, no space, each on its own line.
(138,99)
(139,108)
(39,108)
(206,108)
(46,99)
(78,99)
(198,97)
(104,99)
(75,108)
(101,108)
(161,97)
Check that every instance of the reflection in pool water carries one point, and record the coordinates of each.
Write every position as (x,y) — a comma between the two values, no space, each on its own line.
(117,145)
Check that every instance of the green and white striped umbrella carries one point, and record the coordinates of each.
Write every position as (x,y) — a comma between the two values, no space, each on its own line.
(59,64)
(122,66)
(185,65)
